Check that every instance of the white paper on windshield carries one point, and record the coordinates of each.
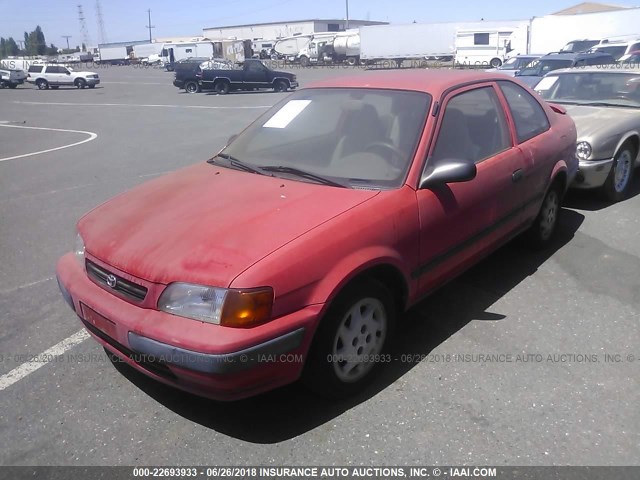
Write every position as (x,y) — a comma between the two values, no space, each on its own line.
(546,83)
(287,113)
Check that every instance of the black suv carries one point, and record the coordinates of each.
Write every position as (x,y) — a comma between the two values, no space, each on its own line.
(554,61)
(252,75)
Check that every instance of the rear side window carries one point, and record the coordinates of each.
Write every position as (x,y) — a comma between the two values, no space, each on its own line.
(528,115)
(35,69)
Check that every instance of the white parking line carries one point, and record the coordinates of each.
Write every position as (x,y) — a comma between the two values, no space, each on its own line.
(139,105)
(58,349)
(92,136)
(3,292)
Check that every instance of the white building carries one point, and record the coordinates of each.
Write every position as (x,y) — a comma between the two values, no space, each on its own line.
(275,30)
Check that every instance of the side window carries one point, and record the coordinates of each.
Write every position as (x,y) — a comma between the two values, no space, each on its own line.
(473,127)
(35,69)
(481,39)
(52,69)
(528,115)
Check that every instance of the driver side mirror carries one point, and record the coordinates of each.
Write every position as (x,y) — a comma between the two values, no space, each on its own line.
(448,171)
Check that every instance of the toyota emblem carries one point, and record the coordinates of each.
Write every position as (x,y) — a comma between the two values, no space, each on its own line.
(111,281)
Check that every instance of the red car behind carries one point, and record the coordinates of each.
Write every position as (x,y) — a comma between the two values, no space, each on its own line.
(294,250)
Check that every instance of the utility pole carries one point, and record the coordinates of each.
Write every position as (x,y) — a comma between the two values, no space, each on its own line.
(150,26)
(67,37)
(347,23)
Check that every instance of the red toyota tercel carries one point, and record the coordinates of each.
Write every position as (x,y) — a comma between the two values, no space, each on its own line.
(292,252)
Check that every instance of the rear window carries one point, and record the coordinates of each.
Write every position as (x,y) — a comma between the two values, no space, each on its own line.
(35,69)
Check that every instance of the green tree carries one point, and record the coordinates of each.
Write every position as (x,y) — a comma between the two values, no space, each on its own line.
(41,44)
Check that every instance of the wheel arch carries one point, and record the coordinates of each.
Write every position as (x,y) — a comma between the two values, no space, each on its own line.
(634,138)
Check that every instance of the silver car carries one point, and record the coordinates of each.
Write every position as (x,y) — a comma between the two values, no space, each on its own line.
(604,102)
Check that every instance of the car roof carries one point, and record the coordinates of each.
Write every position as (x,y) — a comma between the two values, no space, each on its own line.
(573,55)
(433,82)
(615,69)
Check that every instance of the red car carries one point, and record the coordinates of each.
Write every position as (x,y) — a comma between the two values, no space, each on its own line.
(294,250)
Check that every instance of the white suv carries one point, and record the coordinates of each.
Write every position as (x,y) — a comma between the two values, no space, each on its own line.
(618,48)
(45,76)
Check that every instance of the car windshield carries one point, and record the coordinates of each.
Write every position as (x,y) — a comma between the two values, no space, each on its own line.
(579,46)
(541,67)
(510,64)
(595,88)
(348,136)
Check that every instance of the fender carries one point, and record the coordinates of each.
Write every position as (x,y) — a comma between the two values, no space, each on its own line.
(627,136)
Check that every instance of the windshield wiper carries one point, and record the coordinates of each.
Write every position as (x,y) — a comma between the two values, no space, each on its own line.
(301,173)
(239,164)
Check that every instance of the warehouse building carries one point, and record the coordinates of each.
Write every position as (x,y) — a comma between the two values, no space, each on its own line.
(274,30)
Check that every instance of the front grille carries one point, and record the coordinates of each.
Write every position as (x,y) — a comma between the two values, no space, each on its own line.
(124,287)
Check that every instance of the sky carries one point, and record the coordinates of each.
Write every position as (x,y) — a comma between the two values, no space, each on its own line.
(126,20)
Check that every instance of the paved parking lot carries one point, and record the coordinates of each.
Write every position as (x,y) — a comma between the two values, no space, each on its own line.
(527,359)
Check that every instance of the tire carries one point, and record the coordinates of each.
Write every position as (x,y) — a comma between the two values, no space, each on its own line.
(342,359)
(618,184)
(542,231)
(192,87)
(81,83)
(92,85)
(222,87)
(495,62)
(42,84)
(304,61)
(13,85)
(280,86)
(352,61)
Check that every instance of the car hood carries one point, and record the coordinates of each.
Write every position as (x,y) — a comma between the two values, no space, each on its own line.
(597,123)
(206,224)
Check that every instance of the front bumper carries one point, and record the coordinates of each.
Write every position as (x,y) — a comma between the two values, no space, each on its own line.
(592,173)
(93,81)
(294,84)
(208,360)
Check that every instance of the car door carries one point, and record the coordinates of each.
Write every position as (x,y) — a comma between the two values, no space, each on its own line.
(52,75)
(65,76)
(461,222)
(255,74)
(530,124)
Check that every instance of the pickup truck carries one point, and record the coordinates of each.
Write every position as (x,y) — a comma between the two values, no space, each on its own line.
(11,78)
(253,74)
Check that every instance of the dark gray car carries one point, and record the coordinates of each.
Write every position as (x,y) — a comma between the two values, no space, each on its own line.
(537,69)
(604,103)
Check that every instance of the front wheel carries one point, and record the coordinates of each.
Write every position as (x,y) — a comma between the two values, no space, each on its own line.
(280,86)
(350,344)
(543,228)
(617,185)
(81,83)
(495,62)
(42,84)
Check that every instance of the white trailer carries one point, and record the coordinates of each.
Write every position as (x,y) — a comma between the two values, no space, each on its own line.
(146,50)
(490,47)
(417,41)
(113,53)
(232,50)
(550,33)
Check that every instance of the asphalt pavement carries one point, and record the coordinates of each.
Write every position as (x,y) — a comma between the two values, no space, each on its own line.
(527,359)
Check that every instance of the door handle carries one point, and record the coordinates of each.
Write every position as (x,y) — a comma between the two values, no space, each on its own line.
(517,175)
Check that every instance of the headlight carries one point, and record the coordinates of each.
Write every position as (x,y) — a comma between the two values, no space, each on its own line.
(78,250)
(583,150)
(221,306)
